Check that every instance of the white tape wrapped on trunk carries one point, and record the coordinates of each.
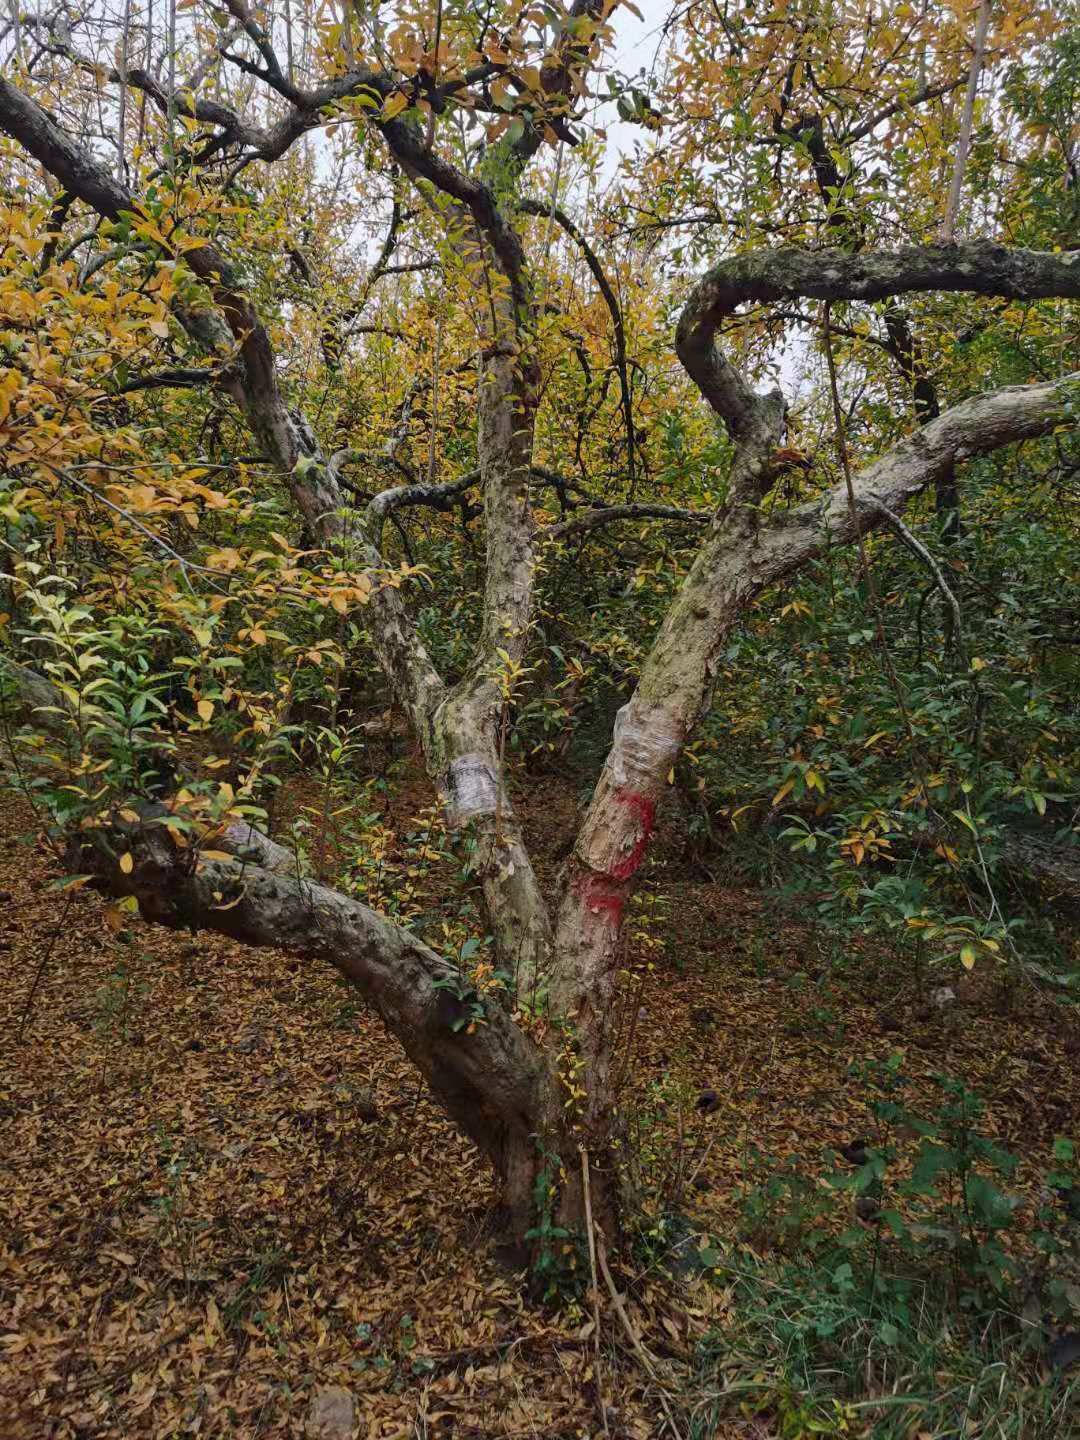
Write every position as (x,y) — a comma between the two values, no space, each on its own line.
(645,744)
(471,789)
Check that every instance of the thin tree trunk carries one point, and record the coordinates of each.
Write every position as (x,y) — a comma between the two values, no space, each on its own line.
(963,143)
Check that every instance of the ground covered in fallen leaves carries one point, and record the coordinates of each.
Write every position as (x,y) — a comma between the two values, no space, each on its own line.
(222,1189)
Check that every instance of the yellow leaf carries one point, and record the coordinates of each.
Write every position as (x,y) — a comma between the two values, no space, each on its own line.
(394,106)
(205,709)
(967,957)
(127,863)
(784,790)
(142,497)
(227,559)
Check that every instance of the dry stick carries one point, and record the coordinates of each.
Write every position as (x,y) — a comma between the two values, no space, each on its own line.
(28,1006)
(963,144)
(121,124)
(595,1283)
(635,1344)
(705,1155)
(434,428)
(918,548)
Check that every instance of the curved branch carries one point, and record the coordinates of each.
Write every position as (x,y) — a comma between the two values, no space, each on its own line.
(285,438)
(979,268)
(255,386)
(436,497)
(608,514)
(489,1079)
(541,208)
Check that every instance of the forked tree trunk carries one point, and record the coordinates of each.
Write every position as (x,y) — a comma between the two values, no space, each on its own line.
(531,1088)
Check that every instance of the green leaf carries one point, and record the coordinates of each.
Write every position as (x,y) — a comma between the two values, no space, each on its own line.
(896,1222)
(988,1203)
(868,1174)
(932,1161)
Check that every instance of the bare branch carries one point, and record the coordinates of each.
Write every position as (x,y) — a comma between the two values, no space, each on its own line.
(903,102)
(609,514)
(963,143)
(918,549)
(541,207)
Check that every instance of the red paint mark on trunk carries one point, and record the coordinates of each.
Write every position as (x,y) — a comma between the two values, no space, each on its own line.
(602,896)
(644,812)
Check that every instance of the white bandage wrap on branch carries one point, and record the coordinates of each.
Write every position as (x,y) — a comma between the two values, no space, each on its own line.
(645,745)
(471,789)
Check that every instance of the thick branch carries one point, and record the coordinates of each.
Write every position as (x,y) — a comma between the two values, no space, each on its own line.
(740,559)
(180,378)
(980,268)
(608,514)
(435,497)
(255,387)
(488,1080)
(286,439)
